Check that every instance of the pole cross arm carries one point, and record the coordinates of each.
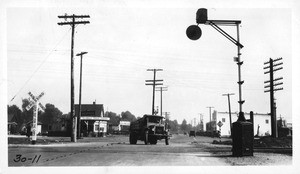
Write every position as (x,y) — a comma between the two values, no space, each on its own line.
(73,23)
(154,84)
(74,16)
(160,80)
(214,23)
(82,53)
(278,69)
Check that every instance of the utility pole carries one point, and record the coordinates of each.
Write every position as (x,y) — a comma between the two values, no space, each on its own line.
(80,85)
(73,23)
(201,122)
(272,66)
(230,121)
(167,115)
(161,89)
(153,83)
(210,117)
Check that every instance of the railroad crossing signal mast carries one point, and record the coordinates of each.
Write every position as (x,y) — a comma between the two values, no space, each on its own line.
(242,137)
(272,66)
(73,23)
(194,32)
(153,83)
(34,102)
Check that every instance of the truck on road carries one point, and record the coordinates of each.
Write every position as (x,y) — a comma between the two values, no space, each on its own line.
(149,129)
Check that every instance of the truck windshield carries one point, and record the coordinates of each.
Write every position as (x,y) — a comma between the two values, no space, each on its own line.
(154,119)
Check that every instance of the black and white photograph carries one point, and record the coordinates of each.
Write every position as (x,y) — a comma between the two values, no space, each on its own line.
(138,86)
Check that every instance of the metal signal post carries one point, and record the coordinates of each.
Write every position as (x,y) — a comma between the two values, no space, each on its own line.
(73,23)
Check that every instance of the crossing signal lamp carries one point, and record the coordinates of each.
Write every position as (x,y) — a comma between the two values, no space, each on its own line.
(194,32)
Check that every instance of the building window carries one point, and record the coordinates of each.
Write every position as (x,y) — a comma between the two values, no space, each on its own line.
(267,121)
(96,127)
(223,119)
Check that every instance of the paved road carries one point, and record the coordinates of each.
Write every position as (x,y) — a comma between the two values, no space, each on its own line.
(116,151)
(180,152)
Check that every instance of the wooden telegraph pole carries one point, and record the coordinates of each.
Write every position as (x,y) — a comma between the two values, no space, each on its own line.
(80,85)
(230,121)
(73,23)
(272,65)
(210,125)
(161,89)
(153,83)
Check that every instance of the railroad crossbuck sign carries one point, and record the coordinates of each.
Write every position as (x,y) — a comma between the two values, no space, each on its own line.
(34,102)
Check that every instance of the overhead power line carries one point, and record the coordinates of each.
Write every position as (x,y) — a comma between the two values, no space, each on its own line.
(37,69)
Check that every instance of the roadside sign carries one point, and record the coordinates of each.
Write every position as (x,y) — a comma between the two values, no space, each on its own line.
(220,124)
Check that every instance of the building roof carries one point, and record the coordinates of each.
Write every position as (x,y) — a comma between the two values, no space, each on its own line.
(93,110)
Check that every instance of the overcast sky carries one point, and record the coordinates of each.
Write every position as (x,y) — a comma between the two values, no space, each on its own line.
(125,39)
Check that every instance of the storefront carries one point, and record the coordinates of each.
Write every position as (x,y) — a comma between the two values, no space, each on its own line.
(93,123)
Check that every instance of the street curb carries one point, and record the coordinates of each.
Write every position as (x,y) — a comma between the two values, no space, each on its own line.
(56,144)
(274,150)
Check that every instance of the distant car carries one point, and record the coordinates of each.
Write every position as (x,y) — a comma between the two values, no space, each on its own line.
(192,133)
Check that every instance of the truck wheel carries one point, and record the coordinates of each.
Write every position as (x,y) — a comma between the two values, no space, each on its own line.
(153,141)
(167,141)
(146,137)
(134,139)
(130,138)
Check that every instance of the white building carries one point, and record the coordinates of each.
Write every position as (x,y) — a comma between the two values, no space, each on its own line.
(261,123)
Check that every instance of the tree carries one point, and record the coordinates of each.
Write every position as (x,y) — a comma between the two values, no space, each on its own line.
(17,114)
(51,115)
(128,116)
(174,127)
(114,118)
(189,127)
(184,126)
